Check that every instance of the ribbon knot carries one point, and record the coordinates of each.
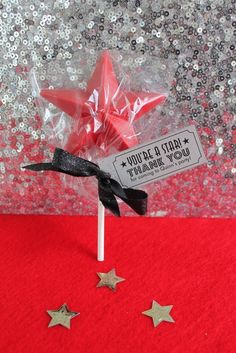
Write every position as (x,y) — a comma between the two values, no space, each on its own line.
(103,175)
(108,188)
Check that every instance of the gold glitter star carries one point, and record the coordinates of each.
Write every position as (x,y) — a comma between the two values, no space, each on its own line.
(62,316)
(159,313)
(109,279)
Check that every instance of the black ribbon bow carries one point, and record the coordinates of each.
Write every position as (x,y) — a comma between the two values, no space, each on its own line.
(108,188)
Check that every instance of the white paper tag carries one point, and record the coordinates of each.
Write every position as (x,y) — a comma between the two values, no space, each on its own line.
(157,159)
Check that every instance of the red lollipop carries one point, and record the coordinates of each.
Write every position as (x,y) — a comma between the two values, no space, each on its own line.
(103,116)
(104,113)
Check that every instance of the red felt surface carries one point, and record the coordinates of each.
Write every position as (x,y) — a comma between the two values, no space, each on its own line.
(49,260)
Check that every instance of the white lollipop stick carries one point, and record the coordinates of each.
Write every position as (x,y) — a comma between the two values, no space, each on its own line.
(101,223)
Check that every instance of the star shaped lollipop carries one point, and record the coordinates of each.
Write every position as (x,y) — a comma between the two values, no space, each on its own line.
(104,113)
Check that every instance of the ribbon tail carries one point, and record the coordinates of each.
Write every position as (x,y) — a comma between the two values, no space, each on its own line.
(40,167)
(64,162)
(136,199)
(107,197)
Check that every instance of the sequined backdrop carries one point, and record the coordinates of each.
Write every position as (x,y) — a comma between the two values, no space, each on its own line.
(197,38)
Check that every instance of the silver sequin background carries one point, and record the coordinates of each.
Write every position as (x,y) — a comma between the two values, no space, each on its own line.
(196,40)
